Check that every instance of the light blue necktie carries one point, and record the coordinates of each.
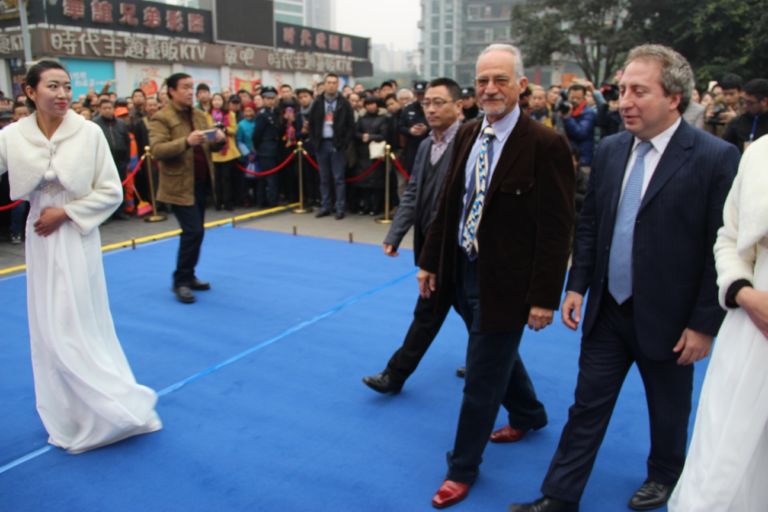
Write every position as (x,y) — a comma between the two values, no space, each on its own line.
(620,259)
(472,219)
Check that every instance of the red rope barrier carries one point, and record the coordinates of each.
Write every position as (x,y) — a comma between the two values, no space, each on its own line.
(400,168)
(311,161)
(135,170)
(364,174)
(130,176)
(268,171)
(11,206)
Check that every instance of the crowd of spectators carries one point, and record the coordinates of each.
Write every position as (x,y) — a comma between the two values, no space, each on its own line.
(264,125)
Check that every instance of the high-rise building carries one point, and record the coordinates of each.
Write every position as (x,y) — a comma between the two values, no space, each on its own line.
(309,13)
(320,14)
(290,11)
(453,32)
(440,30)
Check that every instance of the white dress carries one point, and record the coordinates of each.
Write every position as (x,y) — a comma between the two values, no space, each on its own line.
(727,465)
(86,394)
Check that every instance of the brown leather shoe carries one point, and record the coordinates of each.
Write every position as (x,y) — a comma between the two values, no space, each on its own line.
(449,494)
(507,434)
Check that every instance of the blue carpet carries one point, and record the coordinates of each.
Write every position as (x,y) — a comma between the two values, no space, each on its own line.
(261,395)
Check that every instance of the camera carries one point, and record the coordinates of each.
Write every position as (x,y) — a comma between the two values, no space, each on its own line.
(610,92)
(717,109)
(563,107)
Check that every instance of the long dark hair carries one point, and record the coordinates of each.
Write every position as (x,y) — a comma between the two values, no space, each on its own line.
(35,73)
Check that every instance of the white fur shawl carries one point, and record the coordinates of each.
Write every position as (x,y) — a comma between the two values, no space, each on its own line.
(77,155)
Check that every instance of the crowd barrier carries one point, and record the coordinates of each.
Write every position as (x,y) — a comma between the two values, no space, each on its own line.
(389,157)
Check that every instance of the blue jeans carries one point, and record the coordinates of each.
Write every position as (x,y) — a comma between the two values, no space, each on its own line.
(332,163)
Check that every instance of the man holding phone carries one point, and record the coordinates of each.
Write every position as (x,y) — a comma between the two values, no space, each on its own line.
(181,140)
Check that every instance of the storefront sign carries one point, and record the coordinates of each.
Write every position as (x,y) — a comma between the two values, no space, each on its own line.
(306,39)
(133,16)
(113,46)
(308,63)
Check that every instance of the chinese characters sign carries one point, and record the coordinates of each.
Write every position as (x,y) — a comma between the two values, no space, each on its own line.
(133,16)
(114,46)
(315,40)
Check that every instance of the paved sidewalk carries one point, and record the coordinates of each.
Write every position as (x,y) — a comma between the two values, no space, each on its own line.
(358,228)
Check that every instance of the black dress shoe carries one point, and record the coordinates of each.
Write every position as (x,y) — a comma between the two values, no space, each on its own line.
(650,495)
(339,215)
(461,371)
(184,294)
(322,213)
(383,383)
(545,504)
(200,286)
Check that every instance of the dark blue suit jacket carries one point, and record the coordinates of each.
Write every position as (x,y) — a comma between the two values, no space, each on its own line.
(674,278)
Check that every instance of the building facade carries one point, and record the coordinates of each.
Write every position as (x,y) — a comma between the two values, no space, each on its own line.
(130,44)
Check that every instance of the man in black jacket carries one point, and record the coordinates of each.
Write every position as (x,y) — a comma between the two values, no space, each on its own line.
(266,142)
(331,128)
(753,123)
(116,132)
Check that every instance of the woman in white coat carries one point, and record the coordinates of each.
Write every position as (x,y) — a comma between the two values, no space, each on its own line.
(86,394)
(727,465)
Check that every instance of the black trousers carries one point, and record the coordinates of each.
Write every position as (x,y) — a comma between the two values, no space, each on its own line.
(267,186)
(428,317)
(606,356)
(224,183)
(191,220)
(495,374)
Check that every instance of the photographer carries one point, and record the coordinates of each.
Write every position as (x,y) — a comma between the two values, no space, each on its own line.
(727,105)
(579,120)
(753,123)
(608,117)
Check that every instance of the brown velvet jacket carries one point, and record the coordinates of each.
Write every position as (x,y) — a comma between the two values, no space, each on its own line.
(525,232)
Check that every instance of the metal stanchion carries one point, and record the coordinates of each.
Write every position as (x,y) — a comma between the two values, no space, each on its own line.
(154,217)
(300,158)
(387,168)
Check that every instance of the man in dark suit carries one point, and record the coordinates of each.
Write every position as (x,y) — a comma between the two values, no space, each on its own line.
(498,247)
(418,205)
(331,129)
(643,249)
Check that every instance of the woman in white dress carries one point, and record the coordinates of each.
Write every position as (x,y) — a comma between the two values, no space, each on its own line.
(86,394)
(727,465)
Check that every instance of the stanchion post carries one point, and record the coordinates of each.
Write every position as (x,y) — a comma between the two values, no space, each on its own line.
(300,157)
(154,217)
(387,168)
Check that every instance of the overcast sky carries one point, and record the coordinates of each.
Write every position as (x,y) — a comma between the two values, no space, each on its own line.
(385,22)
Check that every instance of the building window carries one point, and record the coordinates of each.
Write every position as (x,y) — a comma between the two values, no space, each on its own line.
(434,55)
(435,71)
(448,54)
(435,37)
(448,37)
(289,18)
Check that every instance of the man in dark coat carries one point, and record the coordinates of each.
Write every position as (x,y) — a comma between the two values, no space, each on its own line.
(119,142)
(331,129)
(417,209)
(413,125)
(499,247)
(266,143)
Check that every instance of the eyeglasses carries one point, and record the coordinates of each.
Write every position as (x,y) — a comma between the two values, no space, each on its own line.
(437,102)
(501,81)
